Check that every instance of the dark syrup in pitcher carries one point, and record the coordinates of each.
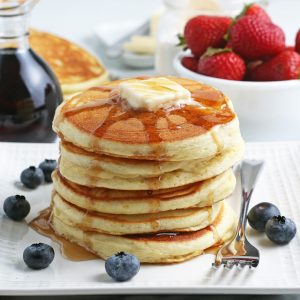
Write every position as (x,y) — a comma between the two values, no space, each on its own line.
(29,95)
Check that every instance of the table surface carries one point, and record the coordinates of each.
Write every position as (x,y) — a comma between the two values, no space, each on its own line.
(58,16)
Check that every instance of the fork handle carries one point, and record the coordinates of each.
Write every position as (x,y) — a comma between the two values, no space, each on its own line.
(249,172)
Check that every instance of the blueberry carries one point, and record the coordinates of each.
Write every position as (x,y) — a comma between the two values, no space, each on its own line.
(122,266)
(16,207)
(48,166)
(38,256)
(32,177)
(259,215)
(280,230)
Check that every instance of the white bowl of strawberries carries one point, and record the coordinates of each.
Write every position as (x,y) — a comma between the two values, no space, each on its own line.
(253,66)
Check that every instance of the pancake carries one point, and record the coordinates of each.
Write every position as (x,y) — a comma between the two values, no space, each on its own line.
(97,177)
(153,248)
(190,219)
(98,120)
(124,166)
(103,200)
(75,68)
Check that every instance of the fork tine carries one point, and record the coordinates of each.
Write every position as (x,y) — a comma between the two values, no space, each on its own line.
(215,266)
(229,264)
(242,264)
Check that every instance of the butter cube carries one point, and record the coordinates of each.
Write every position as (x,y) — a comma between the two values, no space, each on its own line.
(154,93)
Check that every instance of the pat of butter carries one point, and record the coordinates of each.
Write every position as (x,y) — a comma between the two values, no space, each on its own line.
(154,93)
(141,44)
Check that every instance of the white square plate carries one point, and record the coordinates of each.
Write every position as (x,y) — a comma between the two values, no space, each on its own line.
(278,271)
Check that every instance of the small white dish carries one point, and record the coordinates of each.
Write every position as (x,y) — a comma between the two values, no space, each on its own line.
(277,273)
(137,61)
(267,110)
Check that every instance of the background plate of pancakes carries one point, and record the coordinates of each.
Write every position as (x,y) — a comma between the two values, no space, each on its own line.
(278,271)
(75,68)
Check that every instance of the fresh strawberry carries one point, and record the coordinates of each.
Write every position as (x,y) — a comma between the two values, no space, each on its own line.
(255,10)
(251,9)
(283,66)
(298,41)
(202,32)
(222,63)
(254,39)
(190,62)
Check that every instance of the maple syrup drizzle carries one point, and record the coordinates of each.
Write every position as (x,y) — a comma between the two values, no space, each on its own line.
(110,112)
(218,143)
(214,249)
(210,214)
(69,250)
(91,105)
(102,88)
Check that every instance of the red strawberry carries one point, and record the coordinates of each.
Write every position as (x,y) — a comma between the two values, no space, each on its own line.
(283,66)
(190,62)
(254,39)
(202,32)
(255,10)
(222,63)
(298,41)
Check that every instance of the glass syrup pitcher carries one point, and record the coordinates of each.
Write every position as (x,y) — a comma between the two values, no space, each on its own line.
(29,90)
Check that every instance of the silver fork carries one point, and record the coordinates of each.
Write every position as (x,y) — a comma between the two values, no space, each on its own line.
(239,252)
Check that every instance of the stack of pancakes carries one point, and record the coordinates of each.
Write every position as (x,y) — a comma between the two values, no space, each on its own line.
(75,68)
(149,183)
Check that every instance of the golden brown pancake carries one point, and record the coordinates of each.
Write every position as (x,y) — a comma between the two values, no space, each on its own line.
(97,177)
(188,219)
(165,247)
(119,165)
(199,194)
(75,68)
(99,121)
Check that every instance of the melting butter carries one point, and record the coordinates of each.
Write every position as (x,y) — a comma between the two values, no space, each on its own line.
(154,93)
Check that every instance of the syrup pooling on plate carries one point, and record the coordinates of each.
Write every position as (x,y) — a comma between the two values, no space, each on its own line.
(69,250)
(110,116)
